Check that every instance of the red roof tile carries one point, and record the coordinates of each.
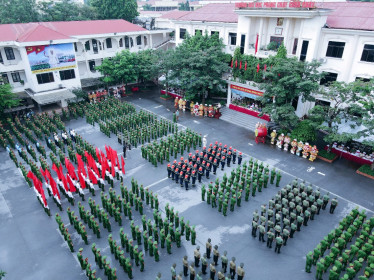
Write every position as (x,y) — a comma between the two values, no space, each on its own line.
(350,15)
(175,14)
(45,31)
(213,13)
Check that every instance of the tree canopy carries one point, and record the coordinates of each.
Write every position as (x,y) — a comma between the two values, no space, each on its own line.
(116,9)
(18,11)
(8,99)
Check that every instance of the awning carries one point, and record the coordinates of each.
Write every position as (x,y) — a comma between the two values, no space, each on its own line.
(52,96)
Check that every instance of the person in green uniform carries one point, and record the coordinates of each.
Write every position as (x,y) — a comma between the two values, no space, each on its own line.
(278,244)
(309,262)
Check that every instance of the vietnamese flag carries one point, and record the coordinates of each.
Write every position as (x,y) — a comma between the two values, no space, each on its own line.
(245,66)
(30,49)
(39,49)
(258,67)
(53,184)
(256,45)
(71,184)
(81,181)
(232,63)
(91,176)
(240,65)
(123,165)
(81,165)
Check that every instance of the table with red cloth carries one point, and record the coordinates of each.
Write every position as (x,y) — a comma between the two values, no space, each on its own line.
(248,112)
(350,156)
(135,89)
(174,95)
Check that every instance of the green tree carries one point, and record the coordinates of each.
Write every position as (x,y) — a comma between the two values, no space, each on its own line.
(18,11)
(164,65)
(65,10)
(304,131)
(200,65)
(147,7)
(122,68)
(351,103)
(286,81)
(282,51)
(184,6)
(8,99)
(116,9)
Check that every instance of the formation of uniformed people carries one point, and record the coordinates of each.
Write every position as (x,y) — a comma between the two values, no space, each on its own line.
(292,207)
(347,249)
(157,152)
(244,180)
(204,260)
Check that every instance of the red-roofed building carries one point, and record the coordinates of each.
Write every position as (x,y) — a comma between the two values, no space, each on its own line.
(47,59)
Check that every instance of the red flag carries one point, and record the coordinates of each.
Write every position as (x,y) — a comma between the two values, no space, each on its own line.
(240,66)
(81,165)
(53,184)
(104,165)
(98,155)
(256,45)
(38,186)
(123,165)
(115,158)
(81,181)
(245,66)
(232,63)
(33,178)
(71,184)
(44,174)
(70,168)
(55,168)
(258,67)
(265,67)
(91,176)
(41,191)
(236,63)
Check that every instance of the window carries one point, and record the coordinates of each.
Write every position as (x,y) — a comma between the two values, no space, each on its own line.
(75,47)
(145,40)
(4,78)
(1,58)
(280,21)
(328,79)
(335,49)
(127,44)
(121,43)
(138,40)
(67,74)
(182,33)
(92,64)
(95,46)
(108,43)
(277,40)
(198,30)
(45,78)
(368,53)
(9,53)
(15,77)
(304,50)
(365,80)
(322,103)
(232,39)
(87,45)
(294,48)
(214,32)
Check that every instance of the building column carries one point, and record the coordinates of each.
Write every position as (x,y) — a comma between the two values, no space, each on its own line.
(300,42)
(228,94)
(150,42)
(260,34)
(246,45)
(286,29)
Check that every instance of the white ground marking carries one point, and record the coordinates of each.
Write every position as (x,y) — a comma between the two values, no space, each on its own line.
(197,122)
(158,106)
(310,169)
(320,173)
(155,183)
(250,144)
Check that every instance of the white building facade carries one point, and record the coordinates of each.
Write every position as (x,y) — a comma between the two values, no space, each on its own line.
(48,60)
(338,34)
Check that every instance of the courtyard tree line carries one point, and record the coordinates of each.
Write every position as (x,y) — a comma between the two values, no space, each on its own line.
(23,11)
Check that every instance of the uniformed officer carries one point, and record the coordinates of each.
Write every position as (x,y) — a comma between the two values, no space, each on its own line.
(334,203)
(241,272)
(185,266)
(208,246)
(197,256)
(232,268)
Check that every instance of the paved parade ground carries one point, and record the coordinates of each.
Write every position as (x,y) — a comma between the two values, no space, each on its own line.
(31,246)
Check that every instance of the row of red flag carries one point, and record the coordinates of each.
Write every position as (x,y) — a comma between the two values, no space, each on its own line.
(71,174)
(245,65)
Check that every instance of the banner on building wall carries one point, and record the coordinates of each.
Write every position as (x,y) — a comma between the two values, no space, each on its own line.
(246,92)
(51,57)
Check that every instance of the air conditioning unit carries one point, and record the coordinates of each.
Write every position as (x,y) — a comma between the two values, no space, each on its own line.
(323,60)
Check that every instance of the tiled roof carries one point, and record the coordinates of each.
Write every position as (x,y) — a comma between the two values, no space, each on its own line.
(175,14)
(350,15)
(45,31)
(213,13)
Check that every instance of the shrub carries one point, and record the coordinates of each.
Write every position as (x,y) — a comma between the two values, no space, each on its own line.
(272,46)
(366,169)
(305,132)
(327,155)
